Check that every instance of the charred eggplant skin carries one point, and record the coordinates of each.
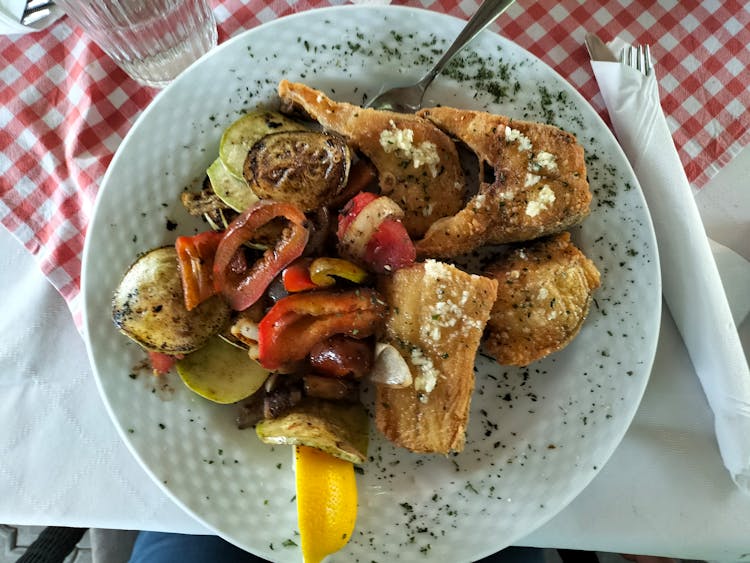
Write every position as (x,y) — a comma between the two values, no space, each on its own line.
(148,306)
(241,135)
(306,168)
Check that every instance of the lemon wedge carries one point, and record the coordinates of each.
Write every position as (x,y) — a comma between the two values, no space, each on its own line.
(326,502)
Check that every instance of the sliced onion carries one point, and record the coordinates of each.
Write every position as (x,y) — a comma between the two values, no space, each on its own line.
(246,331)
(367,221)
(389,367)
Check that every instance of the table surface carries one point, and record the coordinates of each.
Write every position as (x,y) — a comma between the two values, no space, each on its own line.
(664,491)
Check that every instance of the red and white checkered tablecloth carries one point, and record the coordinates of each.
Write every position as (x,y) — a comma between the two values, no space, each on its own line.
(65,107)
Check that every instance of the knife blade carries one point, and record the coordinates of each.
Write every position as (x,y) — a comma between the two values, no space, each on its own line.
(598,50)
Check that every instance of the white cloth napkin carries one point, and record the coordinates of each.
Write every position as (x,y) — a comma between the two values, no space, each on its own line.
(691,284)
(11,12)
(62,462)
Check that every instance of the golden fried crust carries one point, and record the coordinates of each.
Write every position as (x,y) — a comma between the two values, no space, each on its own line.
(437,316)
(425,191)
(539,185)
(543,296)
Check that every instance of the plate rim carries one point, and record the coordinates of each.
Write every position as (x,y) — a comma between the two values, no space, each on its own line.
(389,9)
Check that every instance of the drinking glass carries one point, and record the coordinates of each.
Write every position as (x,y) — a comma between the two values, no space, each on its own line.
(151,40)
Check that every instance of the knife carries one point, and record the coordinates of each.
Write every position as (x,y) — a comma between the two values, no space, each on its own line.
(598,50)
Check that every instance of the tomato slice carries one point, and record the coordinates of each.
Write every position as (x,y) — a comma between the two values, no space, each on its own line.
(371,233)
(161,363)
(195,257)
(390,247)
(296,323)
(243,287)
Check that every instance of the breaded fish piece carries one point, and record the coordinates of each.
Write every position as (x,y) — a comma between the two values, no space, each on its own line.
(437,316)
(539,184)
(418,165)
(543,296)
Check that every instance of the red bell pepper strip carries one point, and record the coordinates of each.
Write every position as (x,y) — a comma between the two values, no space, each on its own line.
(195,257)
(307,273)
(296,323)
(296,276)
(243,288)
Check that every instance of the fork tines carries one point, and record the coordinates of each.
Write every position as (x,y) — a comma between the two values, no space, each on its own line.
(638,57)
(35,10)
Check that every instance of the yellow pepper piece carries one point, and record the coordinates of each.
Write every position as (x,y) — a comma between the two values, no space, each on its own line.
(322,271)
(326,502)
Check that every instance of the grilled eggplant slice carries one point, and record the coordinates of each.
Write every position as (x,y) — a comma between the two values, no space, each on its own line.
(306,168)
(148,306)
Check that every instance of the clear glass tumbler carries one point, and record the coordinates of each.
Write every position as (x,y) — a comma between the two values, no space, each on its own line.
(152,40)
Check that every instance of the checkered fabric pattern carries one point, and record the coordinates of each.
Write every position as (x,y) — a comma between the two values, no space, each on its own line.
(65,107)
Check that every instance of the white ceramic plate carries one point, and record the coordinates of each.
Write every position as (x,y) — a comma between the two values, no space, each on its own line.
(537,435)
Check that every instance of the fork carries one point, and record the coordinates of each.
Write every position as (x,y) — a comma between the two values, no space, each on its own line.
(408,99)
(638,58)
(35,10)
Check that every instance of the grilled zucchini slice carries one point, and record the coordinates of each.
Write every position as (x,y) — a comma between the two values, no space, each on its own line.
(221,372)
(335,427)
(228,188)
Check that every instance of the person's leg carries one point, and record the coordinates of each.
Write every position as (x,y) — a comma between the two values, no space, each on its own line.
(516,555)
(159,547)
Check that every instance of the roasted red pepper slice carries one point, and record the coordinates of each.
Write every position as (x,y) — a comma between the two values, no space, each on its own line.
(291,328)
(296,276)
(243,288)
(195,256)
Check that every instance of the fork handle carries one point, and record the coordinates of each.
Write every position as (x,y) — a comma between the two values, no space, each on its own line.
(484,16)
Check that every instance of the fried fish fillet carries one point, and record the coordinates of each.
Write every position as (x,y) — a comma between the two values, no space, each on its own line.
(543,296)
(437,316)
(418,165)
(538,185)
